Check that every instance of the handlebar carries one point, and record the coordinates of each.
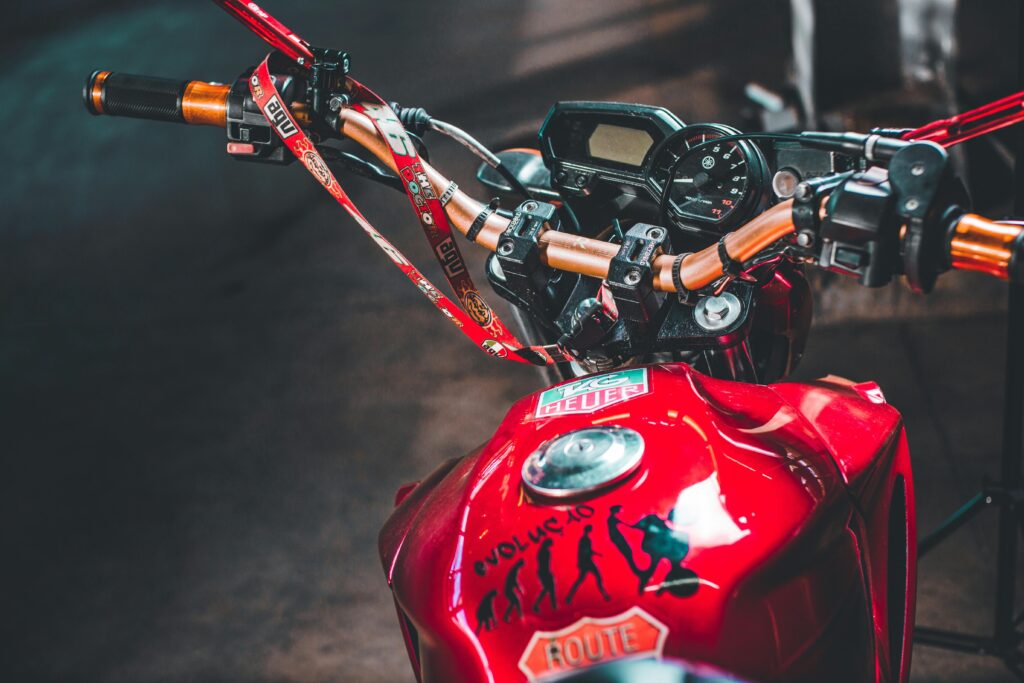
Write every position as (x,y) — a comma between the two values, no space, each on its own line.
(583,255)
(975,243)
(986,246)
(157,99)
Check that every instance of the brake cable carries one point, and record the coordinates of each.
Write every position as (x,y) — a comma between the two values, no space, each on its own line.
(417,120)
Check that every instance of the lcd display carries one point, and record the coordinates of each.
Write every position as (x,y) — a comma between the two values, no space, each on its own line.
(619,144)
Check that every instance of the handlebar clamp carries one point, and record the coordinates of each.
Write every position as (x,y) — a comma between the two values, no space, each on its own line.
(631,273)
(518,252)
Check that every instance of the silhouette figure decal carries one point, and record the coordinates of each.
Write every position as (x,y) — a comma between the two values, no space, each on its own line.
(544,575)
(485,620)
(585,555)
(661,542)
(512,589)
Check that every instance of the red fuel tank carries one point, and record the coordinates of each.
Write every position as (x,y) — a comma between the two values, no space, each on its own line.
(736,541)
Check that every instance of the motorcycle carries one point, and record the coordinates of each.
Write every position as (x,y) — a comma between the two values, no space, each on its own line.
(668,496)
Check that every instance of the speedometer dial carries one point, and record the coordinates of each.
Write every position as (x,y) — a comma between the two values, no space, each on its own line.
(711,183)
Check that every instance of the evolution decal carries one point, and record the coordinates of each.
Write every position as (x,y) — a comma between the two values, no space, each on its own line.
(543,535)
(555,525)
(646,546)
(634,633)
(593,393)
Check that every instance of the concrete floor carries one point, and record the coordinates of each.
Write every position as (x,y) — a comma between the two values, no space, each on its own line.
(211,386)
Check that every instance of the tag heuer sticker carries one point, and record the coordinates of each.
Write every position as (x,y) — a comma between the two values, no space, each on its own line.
(634,633)
(593,393)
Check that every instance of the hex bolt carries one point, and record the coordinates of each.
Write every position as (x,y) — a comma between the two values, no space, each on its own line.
(655,233)
(632,277)
(805,238)
(337,102)
(911,204)
(530,206)
(716,307)
(506,247)
(803,192)
(917,169)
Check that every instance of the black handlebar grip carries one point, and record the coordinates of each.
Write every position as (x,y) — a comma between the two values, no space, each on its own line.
(140,97)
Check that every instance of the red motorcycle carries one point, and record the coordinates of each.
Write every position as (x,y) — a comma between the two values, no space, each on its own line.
(667,497)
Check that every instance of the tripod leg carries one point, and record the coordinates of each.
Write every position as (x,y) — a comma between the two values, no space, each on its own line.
(1010,479)
(1015,669)
(956,520)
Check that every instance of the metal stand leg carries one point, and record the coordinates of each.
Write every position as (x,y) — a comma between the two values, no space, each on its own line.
(1007,495)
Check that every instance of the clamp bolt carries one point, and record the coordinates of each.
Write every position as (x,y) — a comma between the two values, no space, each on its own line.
(917,169)
(716,307)
(911,204)
(655,233)
(506,247)
(530,206)
(805,238)
(803,192)
(716,313)
(337,102)
(632,277)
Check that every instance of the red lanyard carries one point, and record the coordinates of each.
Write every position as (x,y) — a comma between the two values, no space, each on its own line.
(480,323)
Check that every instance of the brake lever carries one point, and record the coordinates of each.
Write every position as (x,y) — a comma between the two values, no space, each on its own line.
(276,34)
(354,163)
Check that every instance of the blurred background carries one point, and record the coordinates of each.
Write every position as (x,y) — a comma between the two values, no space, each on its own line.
(212,385)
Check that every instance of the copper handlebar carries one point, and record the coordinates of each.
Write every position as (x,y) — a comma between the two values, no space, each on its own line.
(985,246)
(976,243)
(583,255)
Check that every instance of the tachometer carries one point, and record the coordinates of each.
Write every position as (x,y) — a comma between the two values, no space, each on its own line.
(708,184)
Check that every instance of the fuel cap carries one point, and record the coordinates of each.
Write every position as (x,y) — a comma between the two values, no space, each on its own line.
(583,461)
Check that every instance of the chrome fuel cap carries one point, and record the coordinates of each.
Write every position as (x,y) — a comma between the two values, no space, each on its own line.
(583,461)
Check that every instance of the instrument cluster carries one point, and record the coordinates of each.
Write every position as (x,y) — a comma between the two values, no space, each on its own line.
(642,162)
